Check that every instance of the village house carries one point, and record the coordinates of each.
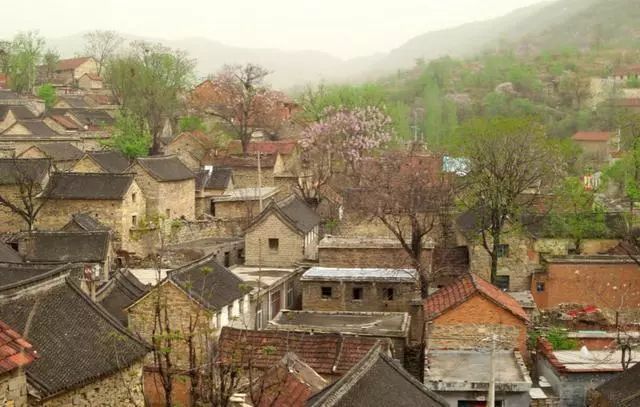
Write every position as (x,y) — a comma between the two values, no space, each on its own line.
(358,289)
(211,182)
(63,155)
(69,71)
(191,148)
(10,114)
(462,377)
(247,171)
(241,204)
(14,273)
(90,81)
(105,366)
(606,281)
(16,355)
(597,146)
(119,292)
(115,200)
(284,234)
(20,179)
(621,390)
(110,161)
(204,292)
(393,326)
(168,186)
(467,311)
(572,373)
(330,355)
(377,380)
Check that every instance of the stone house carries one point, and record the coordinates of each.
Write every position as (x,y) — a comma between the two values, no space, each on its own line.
(351,289)
(330,355)
(84,355)
(285,233)
(191,148)
(108,161)
(241,203)
(573,373)
(203,292)
(168,185)
(63,155)
(20,179)
(211,182)
(621,390)
(115,200)
(606,281)
(377,380)
(245,169)
(463,313)
(69,71)
(90,81)
(10,114)
(17,354)
(119,292)
(597,146)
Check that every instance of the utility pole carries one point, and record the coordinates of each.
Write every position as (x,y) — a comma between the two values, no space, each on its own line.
(259,184)
(491,398)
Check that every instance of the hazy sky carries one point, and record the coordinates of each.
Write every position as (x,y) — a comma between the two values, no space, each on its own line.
(345,28)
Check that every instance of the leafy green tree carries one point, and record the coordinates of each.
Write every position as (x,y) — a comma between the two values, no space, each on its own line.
(148,83)
(25,55)
(47,93)
(315,101)
(130,136)
(433,126)
(191,123)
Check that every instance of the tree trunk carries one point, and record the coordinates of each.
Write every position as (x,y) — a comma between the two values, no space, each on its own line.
(156,146)
(495,236)
(245,139)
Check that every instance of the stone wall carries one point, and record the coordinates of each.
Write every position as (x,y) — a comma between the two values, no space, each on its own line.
(13,389)
(465,326)
(518,264)
(9,220)
(239,209)
(168,199)
(187,148)
(372,296)
(290,248)
(248,177)
(86,164)
(121,389)
(363,257)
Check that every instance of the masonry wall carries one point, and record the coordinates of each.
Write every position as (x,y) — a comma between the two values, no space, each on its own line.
(13,389)
(121,389)
(342,296)
(363,257)
(466,325)
(176,197)
(613,285)
(187,149)
(290,244)
(9,220)
(86,164)
(248,177)
(239,209)
(518,264)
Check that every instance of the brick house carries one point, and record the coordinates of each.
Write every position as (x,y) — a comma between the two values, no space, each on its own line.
(284,234)
(63,155)
(607,281)
(17,354)
(191,148)
(83,353)
(102,161)
(168,185)
(115,200)
(203,291)
(464,312)
(211,182)
(20,178)
(351,289)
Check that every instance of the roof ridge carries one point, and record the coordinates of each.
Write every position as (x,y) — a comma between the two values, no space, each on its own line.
(36,279)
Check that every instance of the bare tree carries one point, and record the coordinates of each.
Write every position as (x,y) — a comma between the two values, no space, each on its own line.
(50,61)
(102,46)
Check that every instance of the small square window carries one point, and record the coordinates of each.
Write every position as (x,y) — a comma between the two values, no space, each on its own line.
(503,250)
(357,293)
(502,282)
(167,213)
(274,244)
(539,286)
(325,292)
(387,294)
(133,197)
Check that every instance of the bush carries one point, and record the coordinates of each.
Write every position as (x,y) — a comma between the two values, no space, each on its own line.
(47,93)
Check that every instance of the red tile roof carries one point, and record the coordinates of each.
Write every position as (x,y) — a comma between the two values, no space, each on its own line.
(65,122)
(327,354)
(626,70)
(464,288)
(628,102)
(15,352)
(72,63)
(265,147)
(592,136)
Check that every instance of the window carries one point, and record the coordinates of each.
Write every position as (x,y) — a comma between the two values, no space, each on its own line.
(134,220)
(289,295)
(387,294)
(241,256)
(357,293)
(273,244)
(503,250)
(325,292)
(218,320)
(259,317)
(227,259)
(276,303)
(539,286)
(133,197)
(241,306)
(230,312)
(502,282)
(212,208)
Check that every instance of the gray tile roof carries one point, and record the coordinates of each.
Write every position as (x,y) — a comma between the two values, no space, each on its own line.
(300,213)
(211,284)
(84,222)
(165,168)
(13,171)
(218,178)
(88,186)
(377,380)
(359,274)
(8,255)
(67,247)
(60,151)
(92,117)
(37,128)
(18,272)
(110,161)
(20,112)
(121,291)
(78,342)
(623,389)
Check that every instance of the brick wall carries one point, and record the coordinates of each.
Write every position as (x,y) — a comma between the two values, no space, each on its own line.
(13,389)
(612,285)
(257,251)
(121,389)
(342,296)
(474,320)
